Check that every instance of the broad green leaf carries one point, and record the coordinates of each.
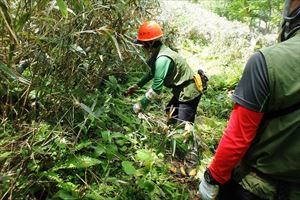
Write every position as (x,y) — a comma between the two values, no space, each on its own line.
(88,110)
(62,7)
(111,151)
(145,155)
(99,150)
(120,142)
(128,167)
(124,148)
(113,83)
(52,176)
(77,163)
(124,117)
(61,183)
(113,80)
(83,144)
(147,185)
(94,195)
(117,135)
(106,136)
(65,195)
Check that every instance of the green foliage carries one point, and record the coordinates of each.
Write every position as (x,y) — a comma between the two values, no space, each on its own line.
(77,163)
(128,167)
(67,131)
(264,15)
(62,7)
(12,75)
(69,56)
(147,157)
(89,169)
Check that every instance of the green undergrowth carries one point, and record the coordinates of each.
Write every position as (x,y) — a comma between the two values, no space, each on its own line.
(101,150)
(112,155)
(66,129)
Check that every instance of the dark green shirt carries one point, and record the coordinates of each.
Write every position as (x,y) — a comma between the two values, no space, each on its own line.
(253,89)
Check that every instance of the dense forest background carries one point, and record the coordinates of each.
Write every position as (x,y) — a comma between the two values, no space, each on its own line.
(66,129)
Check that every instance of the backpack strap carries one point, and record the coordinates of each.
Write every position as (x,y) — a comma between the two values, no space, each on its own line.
(282,187)
(282,112)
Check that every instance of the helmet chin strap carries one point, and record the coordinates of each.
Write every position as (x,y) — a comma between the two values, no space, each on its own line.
(151,46)
(151,43)
(148,45)
(289,28)
(282,35)
(291,19)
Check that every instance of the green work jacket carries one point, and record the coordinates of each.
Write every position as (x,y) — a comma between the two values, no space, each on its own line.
(175,74)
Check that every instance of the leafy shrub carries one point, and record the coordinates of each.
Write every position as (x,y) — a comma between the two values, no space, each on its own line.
(64,133)
(261,15)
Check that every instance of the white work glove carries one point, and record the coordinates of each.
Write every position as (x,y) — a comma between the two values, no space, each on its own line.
(208,191)
(137,108)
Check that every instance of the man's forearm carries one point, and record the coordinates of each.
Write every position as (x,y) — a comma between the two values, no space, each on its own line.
(146,78)
(238,135)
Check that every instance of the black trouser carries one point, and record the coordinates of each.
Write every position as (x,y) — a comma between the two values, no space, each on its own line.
(234,191)
(184,111)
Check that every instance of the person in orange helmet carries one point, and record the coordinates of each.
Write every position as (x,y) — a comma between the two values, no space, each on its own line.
(169,69)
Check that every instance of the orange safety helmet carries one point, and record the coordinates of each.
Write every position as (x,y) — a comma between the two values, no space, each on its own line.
(149,30)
